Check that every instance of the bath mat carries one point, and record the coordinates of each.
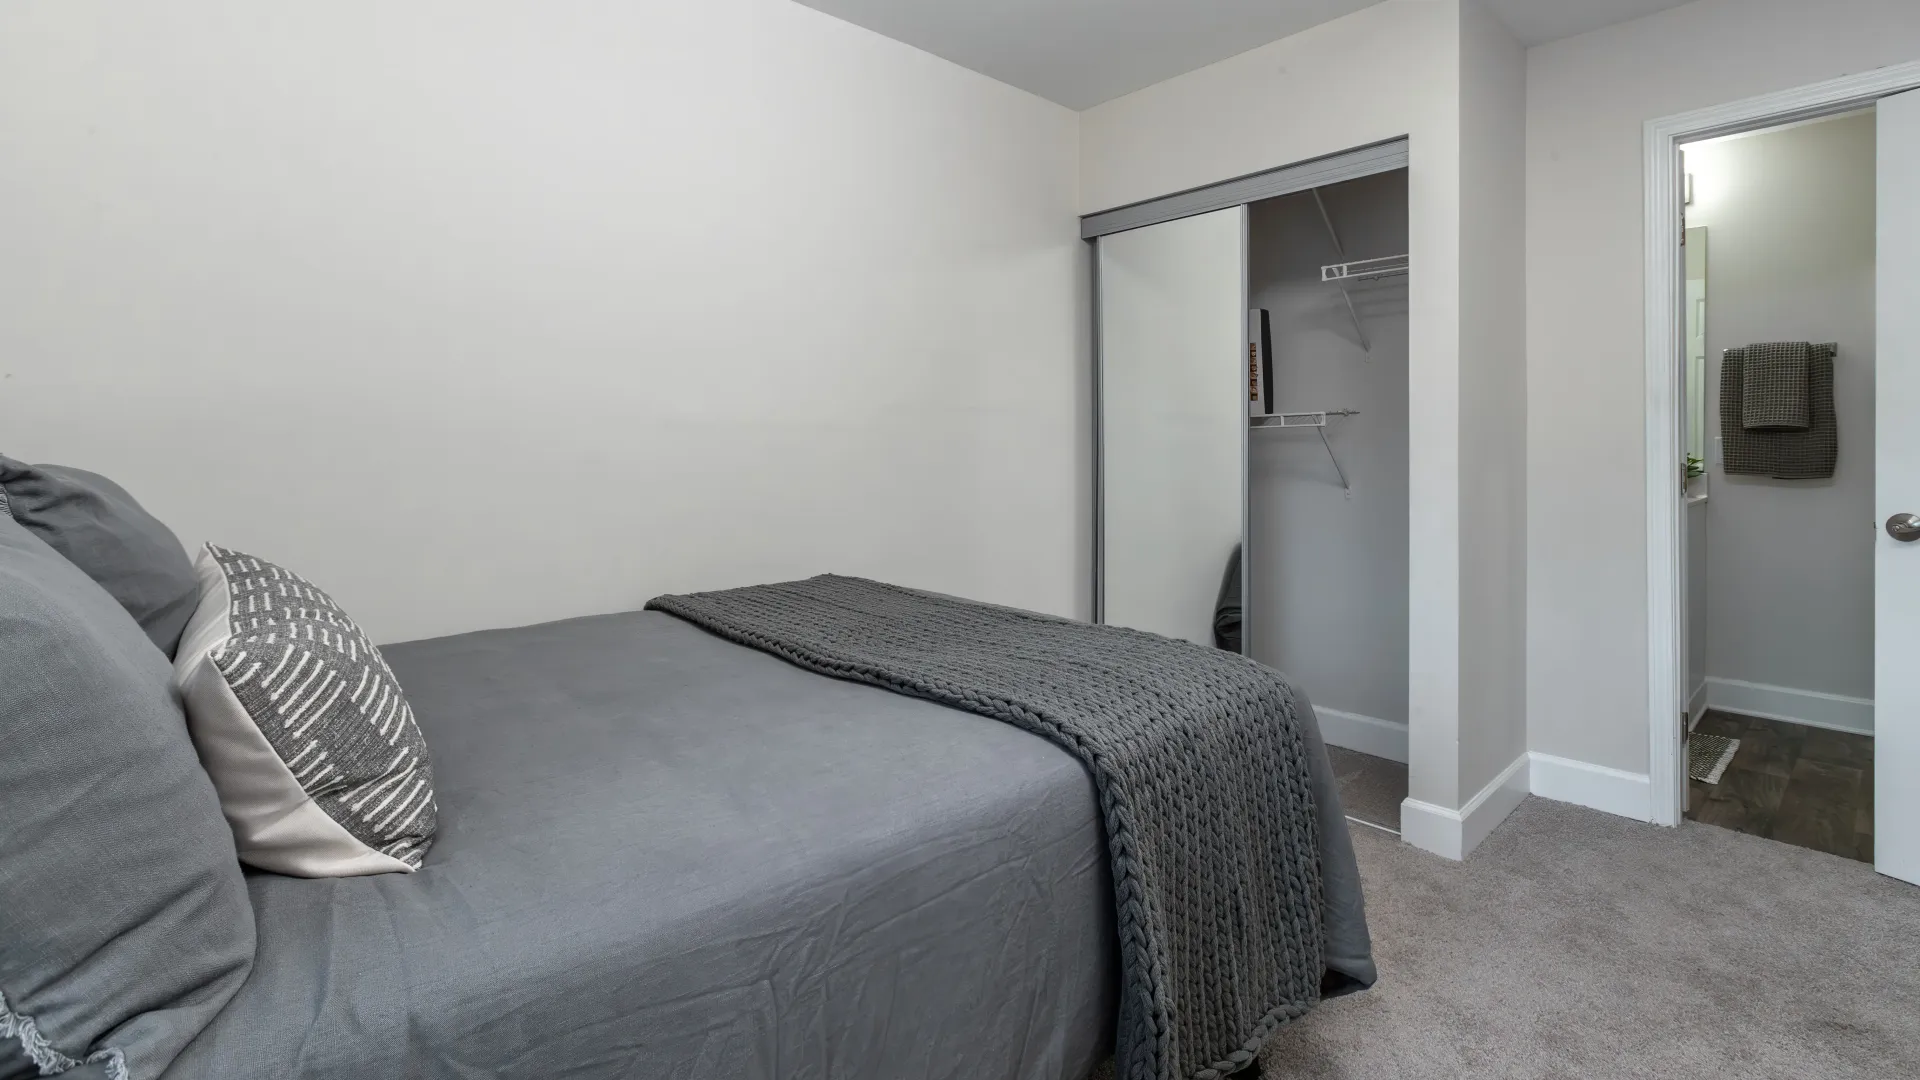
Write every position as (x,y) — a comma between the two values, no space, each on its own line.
(1708,755)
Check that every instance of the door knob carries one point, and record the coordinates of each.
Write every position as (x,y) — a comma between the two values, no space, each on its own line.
(1904,527)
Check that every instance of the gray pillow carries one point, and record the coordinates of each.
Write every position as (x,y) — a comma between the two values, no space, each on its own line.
(102,530)
(124,919)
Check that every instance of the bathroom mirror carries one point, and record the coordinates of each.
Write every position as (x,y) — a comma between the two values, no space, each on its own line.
(1696,444)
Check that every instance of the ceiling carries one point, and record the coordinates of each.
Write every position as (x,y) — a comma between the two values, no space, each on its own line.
(1083,52)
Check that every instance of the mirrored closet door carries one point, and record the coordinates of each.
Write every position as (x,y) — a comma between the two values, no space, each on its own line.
(1173,420)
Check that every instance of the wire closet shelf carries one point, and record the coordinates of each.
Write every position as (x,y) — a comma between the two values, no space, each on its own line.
(1315,420)
(1354,272)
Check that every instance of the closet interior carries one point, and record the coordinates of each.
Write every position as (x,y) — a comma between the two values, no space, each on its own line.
(1327,470)
(1253,451)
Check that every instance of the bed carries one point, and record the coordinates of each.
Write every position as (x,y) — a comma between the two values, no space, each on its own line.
(664,855)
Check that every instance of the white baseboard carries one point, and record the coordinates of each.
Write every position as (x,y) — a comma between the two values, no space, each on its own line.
(1810,707)
(1367,734)
(1629,795)
(1454,834)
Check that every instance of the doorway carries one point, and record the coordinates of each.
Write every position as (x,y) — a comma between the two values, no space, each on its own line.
(1780,248)
(1836,617)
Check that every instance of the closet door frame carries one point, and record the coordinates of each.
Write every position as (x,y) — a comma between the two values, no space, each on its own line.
(1240,191)
(1254,187)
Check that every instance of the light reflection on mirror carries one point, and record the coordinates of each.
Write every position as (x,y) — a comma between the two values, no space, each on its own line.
(1696,445)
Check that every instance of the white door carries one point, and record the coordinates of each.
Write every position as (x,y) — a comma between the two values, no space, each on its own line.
(1896,561)
(1173,419)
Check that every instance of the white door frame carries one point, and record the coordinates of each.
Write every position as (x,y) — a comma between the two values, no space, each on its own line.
(1666,604)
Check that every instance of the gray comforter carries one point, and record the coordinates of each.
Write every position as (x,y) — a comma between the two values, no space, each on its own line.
(663,855)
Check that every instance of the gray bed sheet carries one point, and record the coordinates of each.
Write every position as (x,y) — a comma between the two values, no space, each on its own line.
(662,855)
(665,856)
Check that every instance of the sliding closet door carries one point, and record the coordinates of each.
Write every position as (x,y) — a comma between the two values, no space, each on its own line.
(1173,419)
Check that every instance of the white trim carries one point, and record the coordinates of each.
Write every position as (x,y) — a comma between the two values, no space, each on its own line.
(1285,180)
(1697,705)
(1367,734)
(1661,157)
(1665,486)
(1351,820)
(1594,786)
(1453,834)
(1813,708)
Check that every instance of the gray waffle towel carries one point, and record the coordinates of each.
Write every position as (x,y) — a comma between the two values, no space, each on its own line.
(1774,392)
(1783,455)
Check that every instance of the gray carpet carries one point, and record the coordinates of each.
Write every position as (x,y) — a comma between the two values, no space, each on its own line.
(1371,788)
(1577,944)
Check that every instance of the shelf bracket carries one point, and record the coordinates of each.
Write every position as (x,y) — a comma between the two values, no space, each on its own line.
(1318,422)
(1337,470)
(1354,314)
(1333,233)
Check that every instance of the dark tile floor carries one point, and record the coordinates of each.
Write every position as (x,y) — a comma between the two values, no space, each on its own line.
(1800,785)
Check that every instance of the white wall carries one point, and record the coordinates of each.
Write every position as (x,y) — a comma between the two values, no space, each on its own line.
(1790,220)
(1327,571)
(482,313)
(1271,107)
(1274,105)
(1493,400)
(1587,98)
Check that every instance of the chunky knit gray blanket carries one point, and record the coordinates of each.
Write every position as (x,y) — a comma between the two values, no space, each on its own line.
(1199,759)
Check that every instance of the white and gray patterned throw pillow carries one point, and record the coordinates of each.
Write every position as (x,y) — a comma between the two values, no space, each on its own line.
(321,770)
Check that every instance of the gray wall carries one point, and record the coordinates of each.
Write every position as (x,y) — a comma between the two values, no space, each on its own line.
(1328,574)
(1790,218)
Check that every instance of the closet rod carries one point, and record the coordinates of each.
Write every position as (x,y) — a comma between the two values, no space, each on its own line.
(1312,418)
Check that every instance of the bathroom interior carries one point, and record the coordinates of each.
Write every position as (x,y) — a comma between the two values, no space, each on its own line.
(1780,520)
